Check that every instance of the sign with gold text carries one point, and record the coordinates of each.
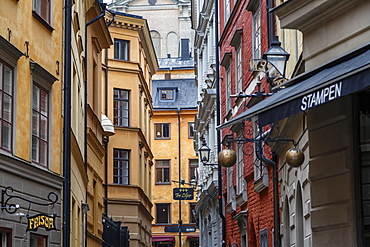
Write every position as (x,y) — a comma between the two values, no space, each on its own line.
(41,220)
(183,193)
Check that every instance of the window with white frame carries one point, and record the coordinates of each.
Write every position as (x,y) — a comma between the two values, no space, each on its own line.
(163,213)
(43,9)
(121,107)
(230,189)
(121,49)
(257,33)
(264,242)
(121,166)
(162,172)
(227,10)
(193,169)
(258,165)
(228,89)
(40,125)
(240,169)
(167,94)
(162,130)
(191,130)
(239,68)
(6,103)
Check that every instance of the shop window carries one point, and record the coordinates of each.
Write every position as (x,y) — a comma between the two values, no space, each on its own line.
(162,130)
(121,107)
(40,125)
(121,166)
(5,237)
(6,101)
(121,49)
(37,240)
(163,212)
(364,147)
(43,8)
(162,172)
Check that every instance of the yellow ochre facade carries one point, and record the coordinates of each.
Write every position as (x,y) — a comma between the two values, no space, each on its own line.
(130,64)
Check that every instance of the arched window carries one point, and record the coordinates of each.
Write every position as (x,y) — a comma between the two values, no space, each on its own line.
(299,217)
(156,39)
(172,45)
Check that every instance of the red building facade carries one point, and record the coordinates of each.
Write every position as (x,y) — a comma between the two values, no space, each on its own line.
(245,31)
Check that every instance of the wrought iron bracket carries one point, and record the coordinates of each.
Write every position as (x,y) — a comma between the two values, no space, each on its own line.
(9,205)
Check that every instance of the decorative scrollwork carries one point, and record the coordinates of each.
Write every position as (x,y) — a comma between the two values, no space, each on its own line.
(11,207)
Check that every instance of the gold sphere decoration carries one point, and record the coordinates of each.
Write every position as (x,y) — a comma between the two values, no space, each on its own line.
(227,157)
(294,157)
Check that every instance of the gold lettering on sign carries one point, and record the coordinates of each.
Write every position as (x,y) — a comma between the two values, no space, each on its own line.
(41,220)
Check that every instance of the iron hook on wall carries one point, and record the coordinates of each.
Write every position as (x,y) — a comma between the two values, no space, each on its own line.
(11,207)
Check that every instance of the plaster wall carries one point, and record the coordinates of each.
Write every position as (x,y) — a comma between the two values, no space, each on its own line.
(169,149)
(333,217)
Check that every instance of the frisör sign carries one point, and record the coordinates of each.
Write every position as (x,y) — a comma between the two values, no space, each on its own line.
(41,220)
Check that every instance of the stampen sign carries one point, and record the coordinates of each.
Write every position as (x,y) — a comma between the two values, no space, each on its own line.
(41,220)
(321,96)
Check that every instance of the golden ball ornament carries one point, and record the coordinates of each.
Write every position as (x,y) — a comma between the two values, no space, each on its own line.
(294,157)
(227,157)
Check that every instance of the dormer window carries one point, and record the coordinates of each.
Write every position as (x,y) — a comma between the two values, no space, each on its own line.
(167,94)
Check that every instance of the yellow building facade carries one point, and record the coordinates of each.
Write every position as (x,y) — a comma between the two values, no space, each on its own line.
(89,36)
(175,162)
(130,64)
(31,80)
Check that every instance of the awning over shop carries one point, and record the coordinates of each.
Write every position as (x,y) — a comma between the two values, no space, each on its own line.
(192,236)
(311,89)
(168,238)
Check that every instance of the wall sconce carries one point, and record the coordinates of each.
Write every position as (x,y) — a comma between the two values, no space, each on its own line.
(273,63)
(226,157)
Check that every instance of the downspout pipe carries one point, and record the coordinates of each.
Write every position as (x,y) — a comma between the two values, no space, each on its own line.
(260,156)
(218,121)
(179,160)
(67,125)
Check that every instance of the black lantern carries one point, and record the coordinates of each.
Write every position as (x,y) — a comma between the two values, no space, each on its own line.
(277,56)
(204,152)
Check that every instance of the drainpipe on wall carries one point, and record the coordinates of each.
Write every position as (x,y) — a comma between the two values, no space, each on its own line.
(179,160)
(259,154)
(67,124)
(270,21)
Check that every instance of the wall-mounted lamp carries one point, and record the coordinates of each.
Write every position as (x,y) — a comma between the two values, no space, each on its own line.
(273,63)
(226,157)
(294,157)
